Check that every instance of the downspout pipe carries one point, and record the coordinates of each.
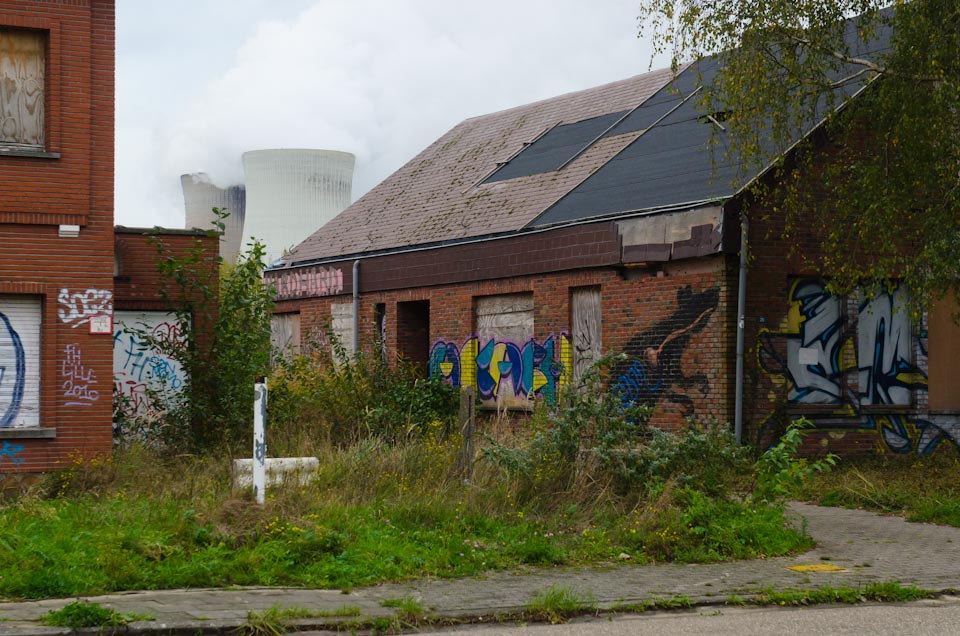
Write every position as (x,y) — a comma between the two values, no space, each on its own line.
(356,307)
(741,320)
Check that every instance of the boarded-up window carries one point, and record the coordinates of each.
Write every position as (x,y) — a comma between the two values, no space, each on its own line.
(505,318)
(884,349)
(586,319)
(814,341)
(146,375)
(943,354)
(504,327)
(341,322)
(19,362)
(22,85)
(285,335)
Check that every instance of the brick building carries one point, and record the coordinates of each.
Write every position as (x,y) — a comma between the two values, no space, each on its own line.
(56,230)
(57,238)
(522,245)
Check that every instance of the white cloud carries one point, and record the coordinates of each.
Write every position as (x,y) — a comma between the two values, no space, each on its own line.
(378,78)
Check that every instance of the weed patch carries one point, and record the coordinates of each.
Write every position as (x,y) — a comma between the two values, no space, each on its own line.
(559,602)
(924,489)
(887,592)
(409,608)
(84,614)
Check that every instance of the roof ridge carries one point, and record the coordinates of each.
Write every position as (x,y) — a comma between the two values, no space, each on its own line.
(600,88)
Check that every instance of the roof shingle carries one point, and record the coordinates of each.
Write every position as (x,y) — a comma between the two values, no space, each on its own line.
(438,196)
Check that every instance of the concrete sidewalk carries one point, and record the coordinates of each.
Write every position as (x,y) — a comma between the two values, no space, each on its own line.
(869,548)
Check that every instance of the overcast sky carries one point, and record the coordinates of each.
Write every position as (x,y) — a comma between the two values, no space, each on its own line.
(201,81)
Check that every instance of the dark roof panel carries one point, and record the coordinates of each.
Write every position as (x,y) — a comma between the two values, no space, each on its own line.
(555,148)
(664,153)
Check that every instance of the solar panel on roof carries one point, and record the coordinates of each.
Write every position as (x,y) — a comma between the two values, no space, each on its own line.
(555,148)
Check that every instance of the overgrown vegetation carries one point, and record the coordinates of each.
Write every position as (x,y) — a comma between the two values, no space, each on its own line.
(558,602)
(884,207)
(884,592)
(399,493)
(920,488)
(589,483)
(85,614)
(230,304)
(327,398)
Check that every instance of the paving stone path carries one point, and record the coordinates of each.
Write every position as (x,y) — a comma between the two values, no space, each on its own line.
(867,547)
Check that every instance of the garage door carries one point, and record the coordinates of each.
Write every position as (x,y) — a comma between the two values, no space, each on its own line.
(19,361)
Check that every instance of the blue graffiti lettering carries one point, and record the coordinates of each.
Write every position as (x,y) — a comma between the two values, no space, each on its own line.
(12,451)
(13,356)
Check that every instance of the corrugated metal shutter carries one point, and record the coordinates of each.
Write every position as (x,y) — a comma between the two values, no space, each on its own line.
(19,361)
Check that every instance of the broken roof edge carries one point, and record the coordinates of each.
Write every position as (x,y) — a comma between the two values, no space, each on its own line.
(423,247)
(165,231)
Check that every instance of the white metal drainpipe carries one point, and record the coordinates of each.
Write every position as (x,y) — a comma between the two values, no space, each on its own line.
(741,319)
(356,307)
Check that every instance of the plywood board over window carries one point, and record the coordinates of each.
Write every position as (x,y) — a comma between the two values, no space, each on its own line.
(341,316)
(586,318)
(146,373)
(22,87)
(943,356)
(508,317)
(504,327)
(285,335)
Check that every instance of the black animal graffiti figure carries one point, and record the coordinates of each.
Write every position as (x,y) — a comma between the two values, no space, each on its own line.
(651,373)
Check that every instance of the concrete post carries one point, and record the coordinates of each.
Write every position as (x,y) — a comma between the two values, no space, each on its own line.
(260,439)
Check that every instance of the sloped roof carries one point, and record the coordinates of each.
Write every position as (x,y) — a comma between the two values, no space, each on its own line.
(638,145)
(437,196)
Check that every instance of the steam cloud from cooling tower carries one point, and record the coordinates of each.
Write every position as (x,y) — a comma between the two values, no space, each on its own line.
(200,196)
(289,195)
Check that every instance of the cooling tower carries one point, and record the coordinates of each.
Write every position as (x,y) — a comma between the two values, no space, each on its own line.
(200,196)
(291,193)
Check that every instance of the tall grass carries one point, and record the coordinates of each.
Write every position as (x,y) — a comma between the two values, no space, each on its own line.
(921,488)
(578,485)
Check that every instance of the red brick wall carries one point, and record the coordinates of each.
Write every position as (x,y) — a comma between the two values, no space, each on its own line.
(37,193)
(79,112)
(679,314)
(138,285)
(847,427)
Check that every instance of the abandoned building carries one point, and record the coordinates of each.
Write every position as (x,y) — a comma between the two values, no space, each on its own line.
(523,245)
(69,280)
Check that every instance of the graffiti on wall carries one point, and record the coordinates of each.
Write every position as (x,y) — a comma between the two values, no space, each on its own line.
(77,308)
(652,371)
(12,372)
(858,366)
(502,369)
(322,281)
(12,451)
(812,352)
(77,379)
(145,377)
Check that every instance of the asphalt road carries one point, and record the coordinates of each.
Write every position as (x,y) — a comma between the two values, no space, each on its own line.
(935,617)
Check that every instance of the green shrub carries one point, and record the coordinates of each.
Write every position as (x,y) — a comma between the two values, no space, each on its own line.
(592,435)
(84,614)
(780,472)
(214,408)
(342,403)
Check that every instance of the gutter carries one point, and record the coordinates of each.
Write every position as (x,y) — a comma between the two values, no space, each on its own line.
(356,308)
(615,216)
(741,320)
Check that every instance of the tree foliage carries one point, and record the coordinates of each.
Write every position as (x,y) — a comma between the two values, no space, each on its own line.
(885,206)
(225,348)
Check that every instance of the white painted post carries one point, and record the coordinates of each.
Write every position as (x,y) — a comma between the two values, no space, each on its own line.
(260,439)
